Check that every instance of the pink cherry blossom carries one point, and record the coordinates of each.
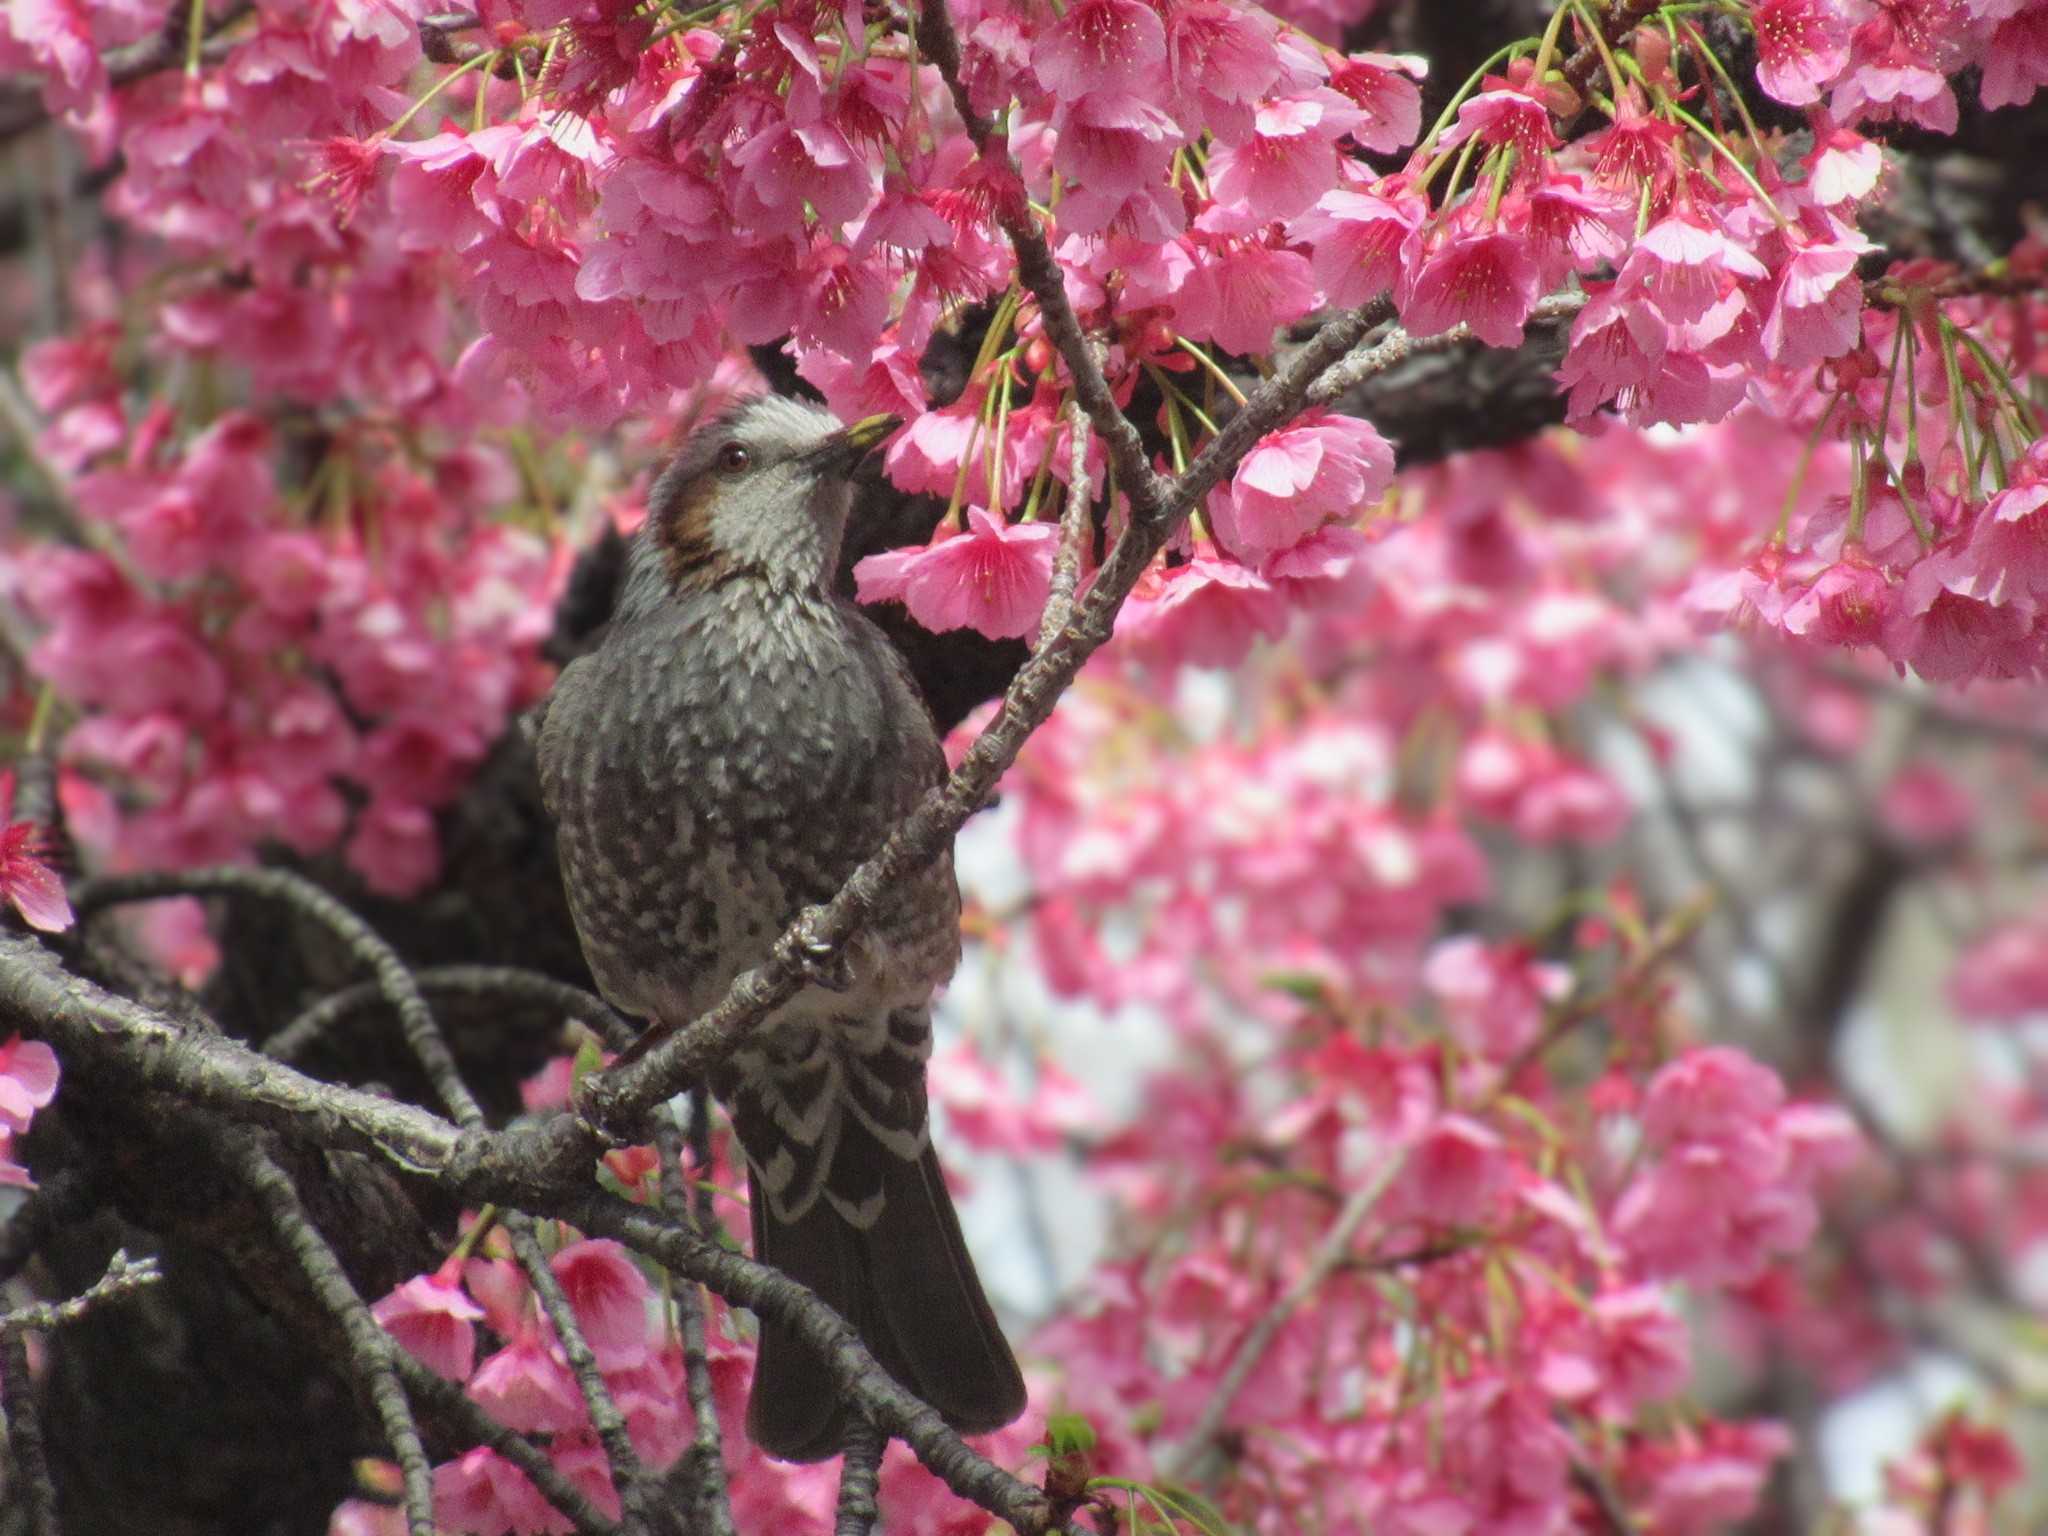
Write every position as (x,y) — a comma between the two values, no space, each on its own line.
(1480,276)
(1222,60)
(27,882)
(1683,266)
(1293,481)
(1357,239)
(993,578)
(394,847)
(1494,1000)
(28,1081)
(1102,47)
(1381,85)
(527,1386)
(432,1320)
(1242,293)
(1205,613)
(484,1494)
(610,1296)
(1801,45)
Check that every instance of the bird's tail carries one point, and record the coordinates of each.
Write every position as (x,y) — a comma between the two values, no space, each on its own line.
(906,1284)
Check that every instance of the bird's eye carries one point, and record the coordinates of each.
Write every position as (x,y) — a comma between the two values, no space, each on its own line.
(733,458)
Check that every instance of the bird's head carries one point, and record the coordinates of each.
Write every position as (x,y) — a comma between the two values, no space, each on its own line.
(763,491)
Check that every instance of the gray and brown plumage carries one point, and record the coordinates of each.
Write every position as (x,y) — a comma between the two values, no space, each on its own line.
(740,741)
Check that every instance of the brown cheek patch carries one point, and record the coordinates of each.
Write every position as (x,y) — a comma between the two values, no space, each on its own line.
(684,534)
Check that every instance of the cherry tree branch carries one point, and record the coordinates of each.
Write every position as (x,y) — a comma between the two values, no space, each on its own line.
(860,1471)
(124,1276)
(370,1348)
(509,981)
(874,1394)
(115,1044)
(146,1050)
(25,1445)
(1075,522)
(394,979)
(1398,346)
(700,1471)
(423,1037)
(1329,1257)
(22,109)
(629,1477)
(445,1400)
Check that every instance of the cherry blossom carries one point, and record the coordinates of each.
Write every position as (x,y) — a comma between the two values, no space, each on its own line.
(27,882)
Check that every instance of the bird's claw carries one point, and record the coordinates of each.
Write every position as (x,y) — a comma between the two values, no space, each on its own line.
(824,963)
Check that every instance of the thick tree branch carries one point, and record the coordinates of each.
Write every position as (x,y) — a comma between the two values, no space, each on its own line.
(130,1047)
(394,979)
(1391,351)
(97,1031)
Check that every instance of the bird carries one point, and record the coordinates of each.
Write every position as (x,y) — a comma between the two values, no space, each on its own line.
(740,740)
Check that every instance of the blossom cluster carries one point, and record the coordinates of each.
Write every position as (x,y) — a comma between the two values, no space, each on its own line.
(261,666)
(525,1384)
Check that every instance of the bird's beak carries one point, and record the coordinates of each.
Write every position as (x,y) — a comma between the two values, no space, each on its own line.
(870,430)
(848,446)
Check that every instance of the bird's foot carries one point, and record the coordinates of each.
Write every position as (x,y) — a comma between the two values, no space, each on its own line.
(825,964)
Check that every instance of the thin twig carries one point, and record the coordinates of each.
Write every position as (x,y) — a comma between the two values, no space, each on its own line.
(370,1348)
(1329,1256)
(1041,275)
(860,1474)
(124,1275)
(444,1400)
(1075,523)
(700,1471)
(300,1035)
(1398,346)
(25,1445)
(629,1477)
